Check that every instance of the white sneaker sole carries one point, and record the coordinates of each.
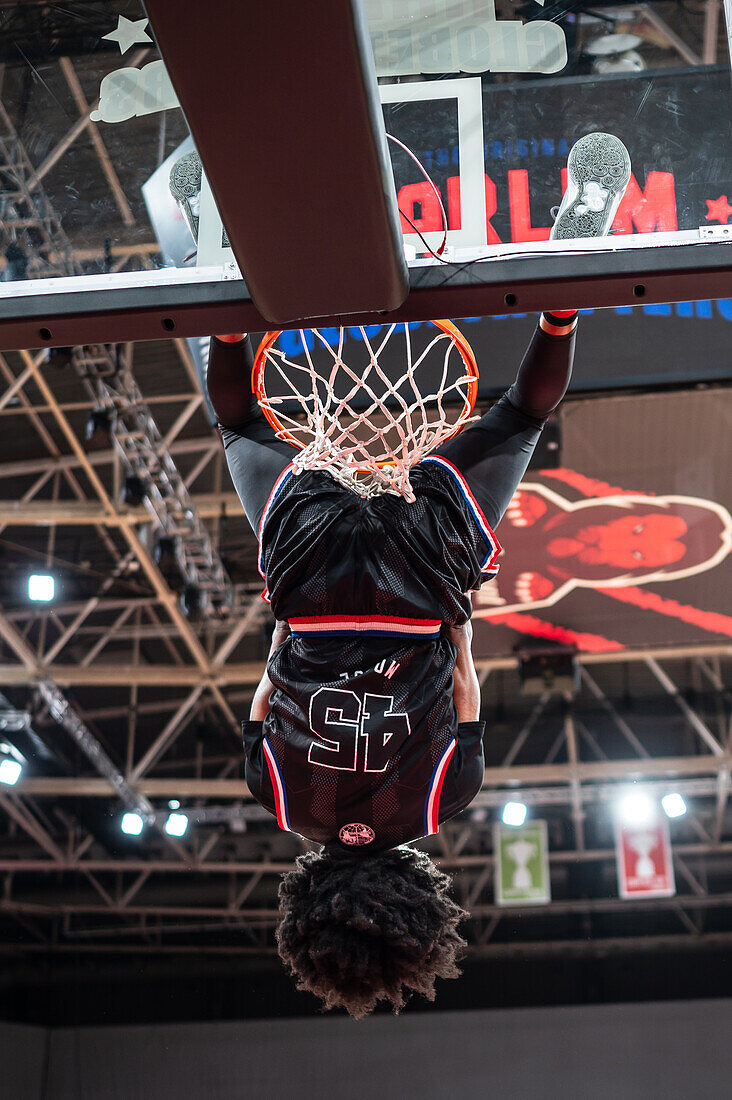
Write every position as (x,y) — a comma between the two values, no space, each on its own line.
(185,187)
(598,172)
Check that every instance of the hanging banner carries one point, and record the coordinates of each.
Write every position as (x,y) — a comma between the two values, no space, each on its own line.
(521,864)
(644,860)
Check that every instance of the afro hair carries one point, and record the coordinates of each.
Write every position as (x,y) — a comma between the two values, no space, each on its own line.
(357,930)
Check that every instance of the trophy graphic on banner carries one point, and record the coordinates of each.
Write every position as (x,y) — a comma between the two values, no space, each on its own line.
(644,859)
(521,865)
(643,844)
(521,852)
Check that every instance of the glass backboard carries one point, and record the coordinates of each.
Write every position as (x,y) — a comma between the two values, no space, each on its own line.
(484,99)
(492,98)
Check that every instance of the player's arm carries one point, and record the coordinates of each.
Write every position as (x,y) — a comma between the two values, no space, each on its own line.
(260,703)
(466,689)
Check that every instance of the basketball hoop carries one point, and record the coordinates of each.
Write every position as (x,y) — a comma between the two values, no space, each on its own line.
(366,428)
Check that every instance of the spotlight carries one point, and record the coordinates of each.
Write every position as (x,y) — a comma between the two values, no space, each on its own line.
(59,357)
(628,62)
(220,602)
(190,602)
(174,804)
(100,420)
(673,805)
(17,264)
(637,808)
(41,587)
(616,53)
(133,490)
(9,770)
(176,824)
(165,553)
(132,824)
(548,668)
(165,556)
(514,813)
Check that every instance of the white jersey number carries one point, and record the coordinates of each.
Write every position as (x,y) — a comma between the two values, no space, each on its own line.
(341,722)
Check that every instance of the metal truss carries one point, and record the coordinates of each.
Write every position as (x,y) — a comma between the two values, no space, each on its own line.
(238,892)
(28,219)
(107,373)
(109,379)
(30,223)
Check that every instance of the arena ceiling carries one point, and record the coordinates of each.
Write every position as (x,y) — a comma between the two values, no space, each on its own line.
(120,696)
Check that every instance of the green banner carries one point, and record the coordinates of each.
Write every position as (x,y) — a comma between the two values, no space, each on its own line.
(521,864)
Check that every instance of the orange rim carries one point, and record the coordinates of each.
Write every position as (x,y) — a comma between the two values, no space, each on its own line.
(270,338)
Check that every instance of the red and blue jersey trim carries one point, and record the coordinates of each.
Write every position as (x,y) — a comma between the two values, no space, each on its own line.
(278,787)
(489,567)
(387,626)
(432,804)
(276,488)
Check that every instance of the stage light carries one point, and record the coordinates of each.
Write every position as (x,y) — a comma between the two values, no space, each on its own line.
(628,62)
(41,587)
(637,808)
(100,420)
(9,770)
(59,357)
(190,602)
(548,668)
(673,804)
(174,804)
(16,267)
(132,824)
(176,824)
(165,553)
(133,491)
(616,53)
(166,557)
(514,813)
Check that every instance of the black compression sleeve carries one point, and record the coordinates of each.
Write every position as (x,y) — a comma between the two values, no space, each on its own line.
(544,374)
(228,380)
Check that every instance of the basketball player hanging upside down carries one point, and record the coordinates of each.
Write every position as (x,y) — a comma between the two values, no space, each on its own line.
(364,733)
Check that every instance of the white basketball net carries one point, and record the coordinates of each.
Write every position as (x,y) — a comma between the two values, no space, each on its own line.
(351,443)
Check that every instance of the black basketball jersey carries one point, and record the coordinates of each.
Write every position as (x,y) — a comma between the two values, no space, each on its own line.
(361,744)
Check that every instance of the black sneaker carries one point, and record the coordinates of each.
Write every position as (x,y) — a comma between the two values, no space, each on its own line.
(598,171)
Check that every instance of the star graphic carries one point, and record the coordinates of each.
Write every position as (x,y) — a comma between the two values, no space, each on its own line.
(128,32)
(719,210)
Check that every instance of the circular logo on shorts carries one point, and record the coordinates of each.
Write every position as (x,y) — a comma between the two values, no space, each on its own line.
(357,834)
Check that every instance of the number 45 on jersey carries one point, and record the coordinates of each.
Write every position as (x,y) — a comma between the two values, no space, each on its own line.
(342,722)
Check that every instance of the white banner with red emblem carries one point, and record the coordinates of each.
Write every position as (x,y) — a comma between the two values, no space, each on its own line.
(645,860)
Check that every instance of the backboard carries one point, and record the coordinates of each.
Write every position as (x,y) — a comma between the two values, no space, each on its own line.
(484,99)
(546,76)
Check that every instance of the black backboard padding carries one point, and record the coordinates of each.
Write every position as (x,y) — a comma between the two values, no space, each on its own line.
(53,318)
(282,101)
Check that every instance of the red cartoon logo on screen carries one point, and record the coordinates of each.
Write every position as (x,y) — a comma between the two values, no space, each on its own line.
(613,539)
